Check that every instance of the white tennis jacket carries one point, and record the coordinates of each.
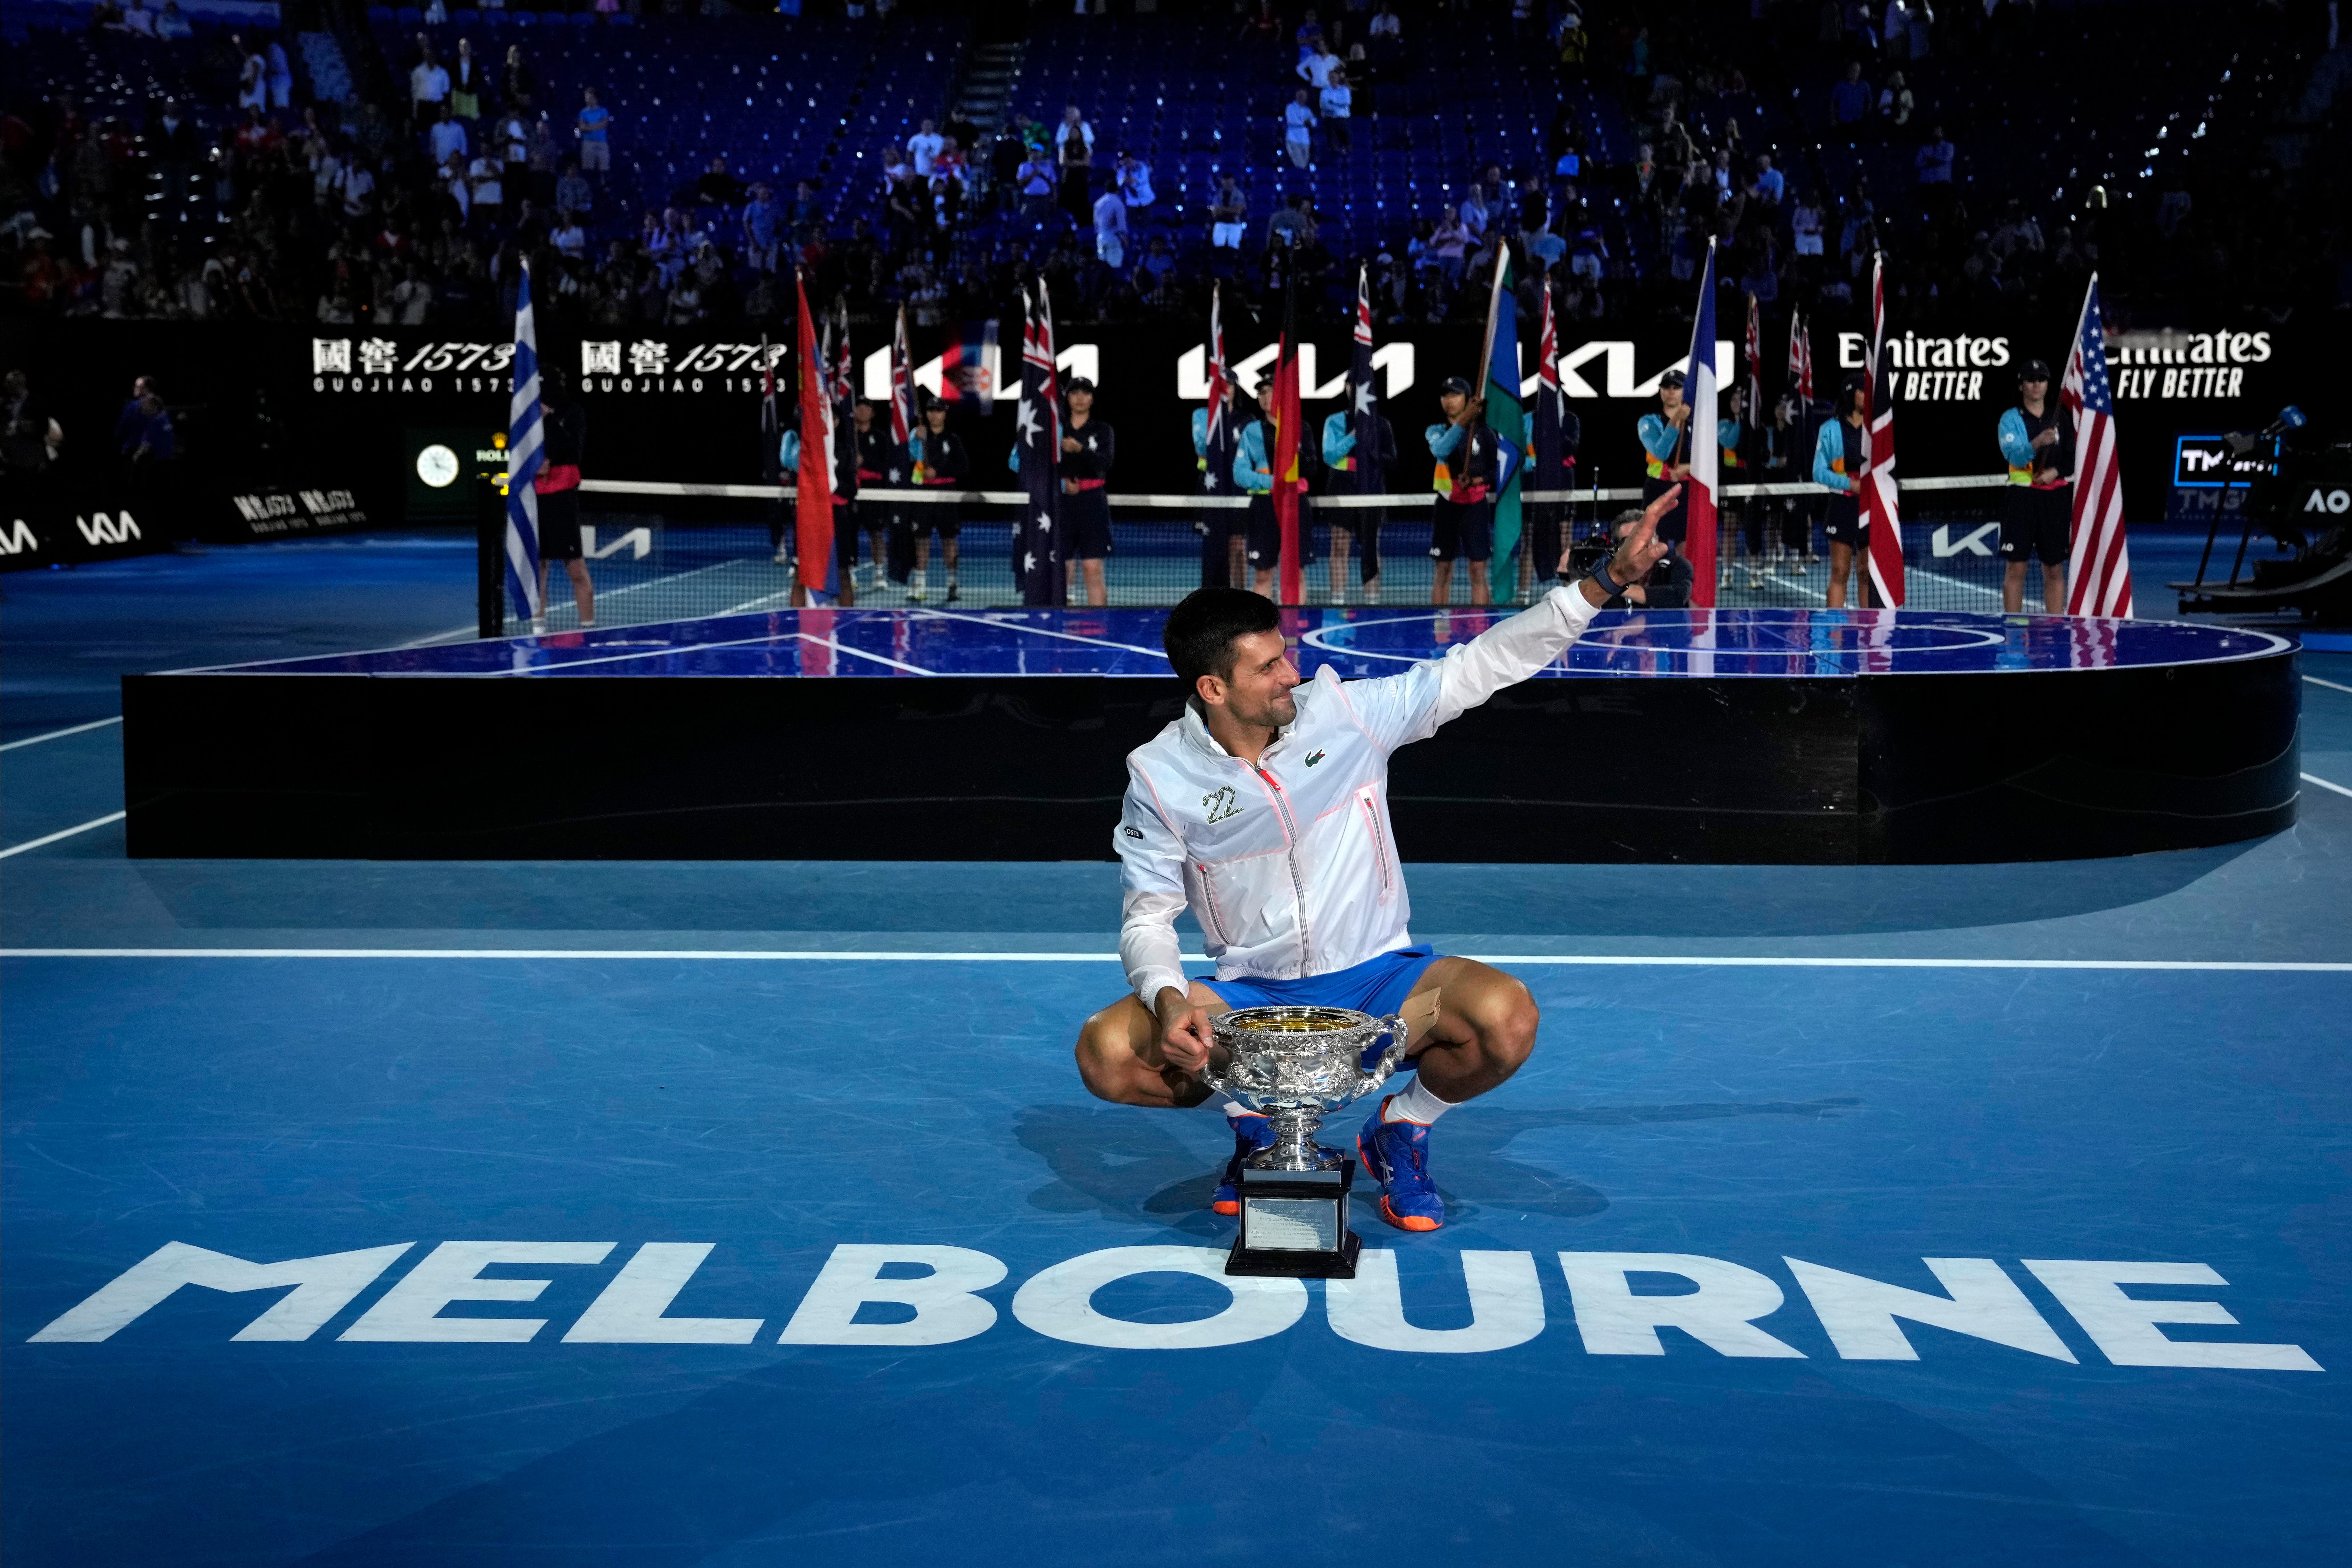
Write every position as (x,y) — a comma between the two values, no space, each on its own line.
(1290,866)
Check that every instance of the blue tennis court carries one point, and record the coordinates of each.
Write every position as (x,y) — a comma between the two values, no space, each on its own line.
(753,1212)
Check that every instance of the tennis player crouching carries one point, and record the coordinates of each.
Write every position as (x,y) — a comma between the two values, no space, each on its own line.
(1264,809)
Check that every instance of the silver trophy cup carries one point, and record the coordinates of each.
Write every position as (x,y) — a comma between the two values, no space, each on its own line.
(1293,1064)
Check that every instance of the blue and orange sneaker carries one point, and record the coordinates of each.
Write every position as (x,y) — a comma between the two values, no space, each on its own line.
(1396,1155)
(1251,1133)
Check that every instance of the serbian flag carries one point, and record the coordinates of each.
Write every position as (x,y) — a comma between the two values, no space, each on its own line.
(1283,457)
(815,490)
(1704,484)
(1882,508)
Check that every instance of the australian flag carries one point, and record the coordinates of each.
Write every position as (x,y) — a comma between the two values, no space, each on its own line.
(1036,540)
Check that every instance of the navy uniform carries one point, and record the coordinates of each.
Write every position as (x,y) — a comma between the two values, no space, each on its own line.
(2037,515)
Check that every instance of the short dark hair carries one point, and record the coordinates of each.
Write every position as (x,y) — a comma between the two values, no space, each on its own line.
(1201,630)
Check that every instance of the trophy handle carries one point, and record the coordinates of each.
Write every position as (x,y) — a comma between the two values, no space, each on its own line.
(1385,1066)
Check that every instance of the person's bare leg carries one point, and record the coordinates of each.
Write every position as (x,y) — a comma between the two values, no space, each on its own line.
(1096,593)
(953,545)
(1120,1060)
(584,592)
(2013,587)
(1338,565)
(922,552)
(1478,592)
(1473,1026)
(1237,558)
(1841,567)
(1262,583)
(1441,582)
(2053,589)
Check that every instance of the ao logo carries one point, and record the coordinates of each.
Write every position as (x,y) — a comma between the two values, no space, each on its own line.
(99,529)
(2336,501)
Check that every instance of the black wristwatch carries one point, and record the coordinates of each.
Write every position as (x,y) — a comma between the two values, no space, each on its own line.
(1609,586)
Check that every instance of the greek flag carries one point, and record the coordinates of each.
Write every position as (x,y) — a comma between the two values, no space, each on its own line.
(525,454)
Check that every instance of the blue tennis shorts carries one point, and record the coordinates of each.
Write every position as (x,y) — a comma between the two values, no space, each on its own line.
(1378,986)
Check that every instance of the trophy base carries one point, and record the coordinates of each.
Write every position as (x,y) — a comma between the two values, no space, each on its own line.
(1338,1265)
(1295,1224)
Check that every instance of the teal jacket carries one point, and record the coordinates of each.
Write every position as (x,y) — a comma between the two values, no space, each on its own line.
(1829,458)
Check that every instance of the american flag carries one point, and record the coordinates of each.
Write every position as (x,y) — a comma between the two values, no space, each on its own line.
(525,454)
(1036,546)
(1882,508)
(1800,356)
(2098,568)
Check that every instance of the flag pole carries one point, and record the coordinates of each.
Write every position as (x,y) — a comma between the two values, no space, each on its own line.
(1494,300)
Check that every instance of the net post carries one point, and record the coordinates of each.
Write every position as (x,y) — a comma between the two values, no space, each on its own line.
(490,557)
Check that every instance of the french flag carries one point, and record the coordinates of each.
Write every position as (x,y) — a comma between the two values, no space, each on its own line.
(1700,490)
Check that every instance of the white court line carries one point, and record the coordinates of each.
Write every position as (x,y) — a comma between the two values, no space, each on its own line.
(102,724)
(2324,784)
(1039,631)
(470,629)
(804,955)
(2312,678)
(68,833)
(845,647)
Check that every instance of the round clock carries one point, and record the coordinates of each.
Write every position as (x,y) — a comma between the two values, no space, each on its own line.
(437,466)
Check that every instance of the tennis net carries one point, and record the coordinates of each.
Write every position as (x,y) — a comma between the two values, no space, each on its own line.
(670,550)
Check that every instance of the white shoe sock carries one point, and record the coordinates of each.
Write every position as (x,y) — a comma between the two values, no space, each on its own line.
(1415,1104)
(1235,1110)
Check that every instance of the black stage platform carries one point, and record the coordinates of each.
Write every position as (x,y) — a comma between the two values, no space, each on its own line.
(1732,736)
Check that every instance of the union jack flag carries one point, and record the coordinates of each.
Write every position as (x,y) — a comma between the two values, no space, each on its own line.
(2098,567)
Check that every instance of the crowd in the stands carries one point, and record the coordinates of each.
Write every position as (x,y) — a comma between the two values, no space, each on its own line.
(416,205)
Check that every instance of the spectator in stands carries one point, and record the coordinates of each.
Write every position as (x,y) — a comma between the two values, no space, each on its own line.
(1074,150)
(1768,187)
(1387,24)
(1449,244)
(1034,181)
(412,298)
(716,186)
(1228,216)
(573,193)
(428,84)
(1895,103)
(593,127)
(924,146)
(172,24)
(1290,225)
(519,81)
(1158,267)
(469,81)
(1110,229)
(1298,130)
(139,20)
(1132,177)
(1850,99)
(1336,103)
(763,222)
(253,76)
(1315,67)
(485,174)
(1934,160)
(447,137)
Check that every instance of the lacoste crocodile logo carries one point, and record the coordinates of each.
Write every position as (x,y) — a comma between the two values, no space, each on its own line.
(1313,757)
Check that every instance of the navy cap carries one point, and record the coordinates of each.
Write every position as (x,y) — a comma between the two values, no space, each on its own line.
(1671,378)
(1454,383)
(1077,383)
(2033,370)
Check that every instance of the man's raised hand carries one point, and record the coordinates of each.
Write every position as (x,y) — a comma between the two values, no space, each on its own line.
(1641,549)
